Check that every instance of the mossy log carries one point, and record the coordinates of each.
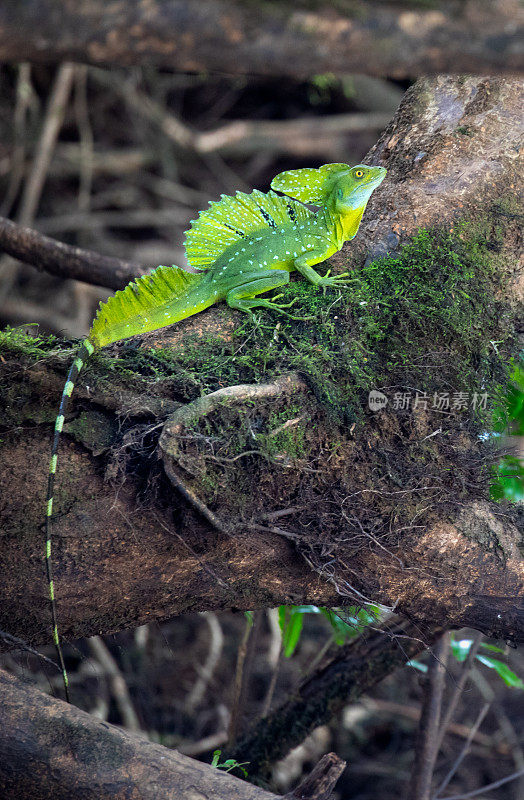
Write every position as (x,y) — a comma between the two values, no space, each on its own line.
(322,500)
(397,39)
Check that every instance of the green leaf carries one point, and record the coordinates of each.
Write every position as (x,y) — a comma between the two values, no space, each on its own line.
(492,647)
(345,623)
(509,479)
(508,417)
(341,629)
(348,623)
(507,675)
(291,621)
(308,609)
(292,632)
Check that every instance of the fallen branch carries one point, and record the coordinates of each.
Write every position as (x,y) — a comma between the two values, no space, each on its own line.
(320,783)
(286,38)
(50,749)
(309,136)
(34,183)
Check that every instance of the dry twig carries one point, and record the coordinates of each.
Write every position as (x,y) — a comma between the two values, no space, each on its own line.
(116,682)
(35,182)
(426,752)
(216,643)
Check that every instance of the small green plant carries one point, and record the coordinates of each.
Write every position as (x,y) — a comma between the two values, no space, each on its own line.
(229,764)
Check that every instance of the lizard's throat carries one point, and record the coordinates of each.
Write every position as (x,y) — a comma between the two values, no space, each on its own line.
(349,222)
(343,225)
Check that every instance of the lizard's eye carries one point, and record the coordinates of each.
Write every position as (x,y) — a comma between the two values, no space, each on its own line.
(340,194)
(359,173)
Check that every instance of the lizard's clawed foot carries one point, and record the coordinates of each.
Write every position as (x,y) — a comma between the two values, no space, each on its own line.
(281,305)
(248,305)
(278,307)
(335,281)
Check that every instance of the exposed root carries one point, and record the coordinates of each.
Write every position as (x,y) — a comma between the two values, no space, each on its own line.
(191,497)
(202,406)
(192,412)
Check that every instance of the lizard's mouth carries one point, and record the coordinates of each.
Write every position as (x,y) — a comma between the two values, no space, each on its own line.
(376,177)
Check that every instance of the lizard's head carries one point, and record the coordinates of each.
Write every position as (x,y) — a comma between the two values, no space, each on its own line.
(348,187)
(351,190)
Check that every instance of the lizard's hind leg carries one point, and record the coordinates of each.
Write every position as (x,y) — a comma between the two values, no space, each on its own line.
(243,296)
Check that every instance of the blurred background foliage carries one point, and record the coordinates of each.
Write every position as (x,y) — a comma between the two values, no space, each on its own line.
(508,477)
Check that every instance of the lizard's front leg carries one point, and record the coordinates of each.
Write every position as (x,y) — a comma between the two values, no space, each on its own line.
(303,264)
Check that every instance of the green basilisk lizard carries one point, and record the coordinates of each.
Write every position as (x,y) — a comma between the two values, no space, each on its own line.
(243,246)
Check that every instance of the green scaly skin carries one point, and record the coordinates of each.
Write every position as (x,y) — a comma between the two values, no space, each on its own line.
(257,263)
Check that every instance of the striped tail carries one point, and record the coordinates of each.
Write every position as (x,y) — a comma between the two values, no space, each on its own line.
(85,351)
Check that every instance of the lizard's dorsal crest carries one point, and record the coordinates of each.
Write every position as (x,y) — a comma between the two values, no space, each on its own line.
(309,185)
(231,219)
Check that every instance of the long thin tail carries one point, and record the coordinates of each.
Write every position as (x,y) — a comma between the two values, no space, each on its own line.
(83,354)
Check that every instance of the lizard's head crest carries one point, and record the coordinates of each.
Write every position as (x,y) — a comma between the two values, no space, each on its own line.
(309,185)
(317,185)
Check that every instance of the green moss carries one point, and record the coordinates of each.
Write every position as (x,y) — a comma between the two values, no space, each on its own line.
(19,399)
(423,320)
(508,207)
(17,340)
(284,437)
(94,429)
(424,317)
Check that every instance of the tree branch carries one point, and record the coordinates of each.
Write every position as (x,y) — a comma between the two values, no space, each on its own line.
(426,750)
(353,670)
(65,260)
(374,37)
(320,783)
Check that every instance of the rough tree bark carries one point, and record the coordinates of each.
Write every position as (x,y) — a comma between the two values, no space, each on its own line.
(298,39)
(49,749)
(463,567)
